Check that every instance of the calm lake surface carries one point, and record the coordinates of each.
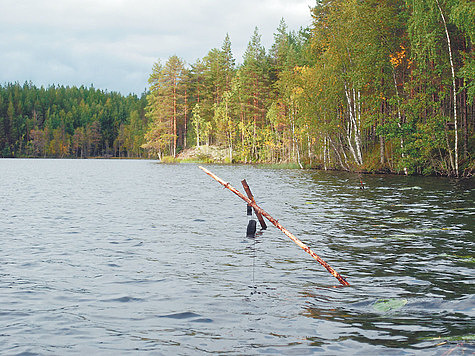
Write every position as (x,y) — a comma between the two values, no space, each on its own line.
(115,257)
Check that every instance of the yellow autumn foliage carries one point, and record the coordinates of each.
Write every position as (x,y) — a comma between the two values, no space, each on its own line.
(397,58)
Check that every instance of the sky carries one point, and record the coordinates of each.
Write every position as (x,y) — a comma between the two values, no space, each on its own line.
(112,44)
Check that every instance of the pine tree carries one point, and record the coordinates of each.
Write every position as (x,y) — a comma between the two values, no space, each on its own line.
(166,84)
(254,77)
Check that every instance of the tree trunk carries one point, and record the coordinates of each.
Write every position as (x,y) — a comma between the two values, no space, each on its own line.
(381,137)
(465,123)
(325,153)
(454,90)
(186,120)
(358,127)
(174,117)
(353,130)
(399,116)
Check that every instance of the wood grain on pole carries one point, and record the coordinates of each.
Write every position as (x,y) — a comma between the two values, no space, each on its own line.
(279,226)
(250,196)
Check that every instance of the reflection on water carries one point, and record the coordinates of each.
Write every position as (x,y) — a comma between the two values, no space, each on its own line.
(115,256)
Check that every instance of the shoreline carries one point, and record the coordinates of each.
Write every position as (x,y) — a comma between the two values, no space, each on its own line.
(189,156)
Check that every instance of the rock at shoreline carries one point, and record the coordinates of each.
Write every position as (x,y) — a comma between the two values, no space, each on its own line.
(205,153)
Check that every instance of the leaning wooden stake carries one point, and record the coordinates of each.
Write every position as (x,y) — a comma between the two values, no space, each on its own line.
(279,226)
(250,196)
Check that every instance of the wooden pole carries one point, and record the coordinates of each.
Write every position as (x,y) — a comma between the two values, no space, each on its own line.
(250,196)
(279,226)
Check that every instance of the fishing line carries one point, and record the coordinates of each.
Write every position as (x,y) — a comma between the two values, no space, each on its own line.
(276,223)
(254,265)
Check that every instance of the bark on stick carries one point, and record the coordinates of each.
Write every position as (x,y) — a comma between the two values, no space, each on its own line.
(278,225)
(250,196)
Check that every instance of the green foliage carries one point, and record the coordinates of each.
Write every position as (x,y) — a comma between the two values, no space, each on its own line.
(169,159)
(165,107)
(69,122)
(369,87)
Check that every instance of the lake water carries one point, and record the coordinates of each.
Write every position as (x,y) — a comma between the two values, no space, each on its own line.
(115,257)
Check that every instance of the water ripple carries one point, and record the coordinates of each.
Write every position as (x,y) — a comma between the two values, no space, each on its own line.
(115,257)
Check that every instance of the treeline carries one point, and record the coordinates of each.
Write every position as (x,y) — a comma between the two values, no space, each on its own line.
(63,121)
(376,85)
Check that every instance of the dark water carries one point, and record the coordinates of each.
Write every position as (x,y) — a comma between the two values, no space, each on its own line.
(116,257)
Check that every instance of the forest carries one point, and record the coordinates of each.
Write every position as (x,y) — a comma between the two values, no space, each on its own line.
(64,122)
(373,86)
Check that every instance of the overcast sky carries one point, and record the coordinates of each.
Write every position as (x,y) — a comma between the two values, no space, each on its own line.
(113,44)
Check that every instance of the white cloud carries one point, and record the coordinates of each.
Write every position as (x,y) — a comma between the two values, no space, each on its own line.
(114,43)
